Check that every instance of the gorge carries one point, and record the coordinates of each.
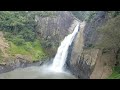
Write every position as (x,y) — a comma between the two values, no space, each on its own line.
(59,44)
(55,70)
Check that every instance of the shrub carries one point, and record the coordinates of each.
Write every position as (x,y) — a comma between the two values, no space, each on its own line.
(27,34)
(18,41)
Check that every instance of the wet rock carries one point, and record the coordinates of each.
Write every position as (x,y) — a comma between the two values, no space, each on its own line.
(20,64)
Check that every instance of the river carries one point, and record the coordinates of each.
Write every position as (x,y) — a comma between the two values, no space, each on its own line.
(35,72)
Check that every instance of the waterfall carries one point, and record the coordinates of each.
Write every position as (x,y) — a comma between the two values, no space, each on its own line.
(48,71)
(61,55)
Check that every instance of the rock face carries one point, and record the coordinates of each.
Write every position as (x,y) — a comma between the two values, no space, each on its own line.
(90,33)
(3,45)
(75,60)
(83,63)
(102,68)
(19,63)
(54,29)
(86,63)
(51,29)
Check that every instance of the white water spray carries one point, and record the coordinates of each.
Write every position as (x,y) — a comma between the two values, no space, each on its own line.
(46,71)
(62,51)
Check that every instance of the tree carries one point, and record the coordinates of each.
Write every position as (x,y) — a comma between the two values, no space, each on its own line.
(27,34)
(18,23)
(113,14)
(12,19)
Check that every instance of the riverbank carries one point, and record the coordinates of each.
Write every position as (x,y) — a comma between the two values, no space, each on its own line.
(22,64)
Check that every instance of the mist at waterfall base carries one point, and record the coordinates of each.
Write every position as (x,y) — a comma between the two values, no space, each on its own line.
(61,55)
(53,71)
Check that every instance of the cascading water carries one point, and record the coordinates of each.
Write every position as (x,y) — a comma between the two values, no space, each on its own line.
(54,71)
(62,51)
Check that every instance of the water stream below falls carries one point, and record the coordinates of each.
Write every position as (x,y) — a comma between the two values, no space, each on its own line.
(35,72)
(53,71)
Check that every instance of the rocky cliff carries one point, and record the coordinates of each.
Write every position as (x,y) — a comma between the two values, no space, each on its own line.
(53,29)
(85,61)
(91,35)
(82,61)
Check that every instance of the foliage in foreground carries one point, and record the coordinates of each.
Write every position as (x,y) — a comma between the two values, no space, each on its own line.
(19,29)
(116,73)
(32,49)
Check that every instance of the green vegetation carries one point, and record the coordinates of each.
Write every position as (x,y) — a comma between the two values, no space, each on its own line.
(91,15)
(17,23)
(116,73)
(42,13)
(113,14)
(32,49)
(19,29)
